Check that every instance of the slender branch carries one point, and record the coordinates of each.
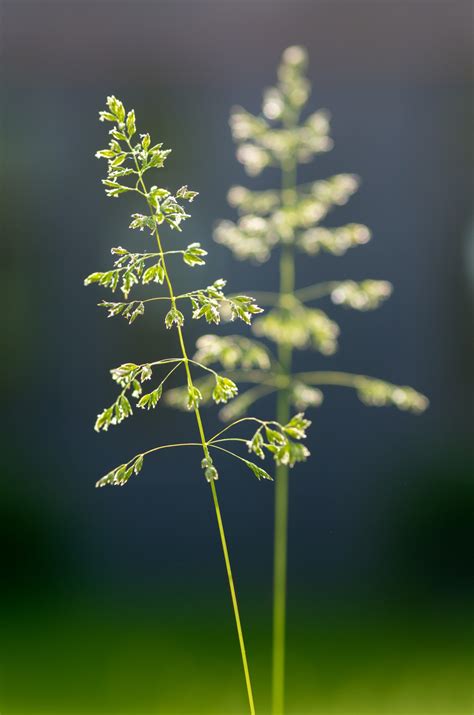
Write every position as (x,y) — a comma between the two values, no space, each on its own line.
(163,446)
(151,300)
(168,446)
(343,379)
(232,454)
(203,367)
(318,290)
(165,361)
(170,373)
(260,377)
(239,421)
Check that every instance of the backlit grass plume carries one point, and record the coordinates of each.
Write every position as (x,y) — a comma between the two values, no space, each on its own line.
(130,157)
(287,221)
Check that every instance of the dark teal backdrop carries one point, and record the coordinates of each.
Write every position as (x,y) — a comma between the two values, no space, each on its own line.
(114,601)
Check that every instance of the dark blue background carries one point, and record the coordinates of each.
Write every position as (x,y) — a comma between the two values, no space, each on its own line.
(396,78)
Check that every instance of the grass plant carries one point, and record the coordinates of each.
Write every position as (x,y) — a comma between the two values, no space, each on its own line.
(129,158)
(286,221)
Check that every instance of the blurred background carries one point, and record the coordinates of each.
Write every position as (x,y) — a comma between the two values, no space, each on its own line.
(115,601)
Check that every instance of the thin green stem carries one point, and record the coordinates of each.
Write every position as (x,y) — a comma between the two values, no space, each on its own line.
(170,373)
(227,451)
(167,446)
(163,446)
(158,297)
(165,361)
(280,546)
(258,376)
(239,421)
(203,367)
(206,454)
(233,596)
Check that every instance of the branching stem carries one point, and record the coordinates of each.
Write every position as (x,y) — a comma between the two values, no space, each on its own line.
(205,449)
(318,290)
(342,379)
(238,422)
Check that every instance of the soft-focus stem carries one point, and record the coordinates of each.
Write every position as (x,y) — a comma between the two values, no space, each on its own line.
(280,544)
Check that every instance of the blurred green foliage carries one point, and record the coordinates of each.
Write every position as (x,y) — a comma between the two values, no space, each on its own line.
(82,660)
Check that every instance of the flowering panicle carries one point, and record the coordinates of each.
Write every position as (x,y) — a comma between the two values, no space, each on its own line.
(289,219)
(129,157)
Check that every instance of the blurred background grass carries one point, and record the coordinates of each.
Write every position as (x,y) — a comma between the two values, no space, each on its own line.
(115,601)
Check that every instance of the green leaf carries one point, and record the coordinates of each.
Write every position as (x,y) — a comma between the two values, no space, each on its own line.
(129,279)
(154,273)
(93,278)
(177,397)
(138,310)
(274,437)
(137,388)
(124,406)
(224,390)
(119,159)
(150,400)
(297,426)
(258,471)
(121,474)
(184,193)
(255,444)
(290,453)
(120,136)
(116,108)
(141,222)
(105,154)
(113,308)
(124,374)
(174,317)
(243,307)
(106,116)
(138,464)
(104,420)
(193,254)
(157,157)
(146,373)
(130,123)
(194,397)
(119,251)
(210,472)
